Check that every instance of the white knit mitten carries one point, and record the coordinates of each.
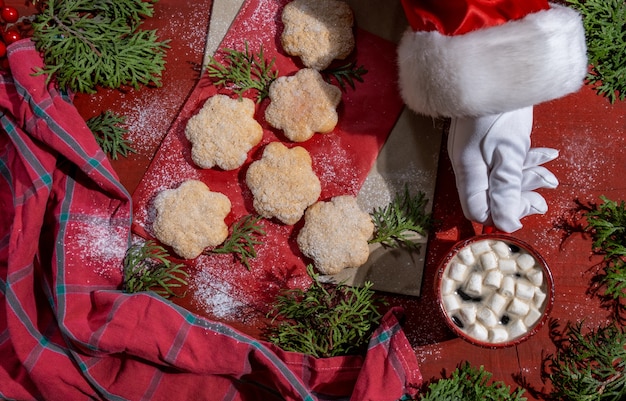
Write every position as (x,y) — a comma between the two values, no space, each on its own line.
(496,171)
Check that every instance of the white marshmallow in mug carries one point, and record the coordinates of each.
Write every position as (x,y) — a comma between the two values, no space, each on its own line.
(517,328)
(498,335)
(532,317)
(488,261)
(479,247)
(474,284)
(535,277)
(497,303)
(467,256)
(507,288)
(524,290)
(507,266)
(451,302)
(448,286)
(525,261)
(502,249)
(539,297)
(493,279)
(458,271)
(468,314)
(487,317)
(478,331)
(518,307)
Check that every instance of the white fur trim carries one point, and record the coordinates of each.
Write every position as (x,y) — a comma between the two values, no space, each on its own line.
(540,57)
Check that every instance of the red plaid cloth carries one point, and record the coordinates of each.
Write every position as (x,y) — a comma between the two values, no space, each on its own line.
(66,330)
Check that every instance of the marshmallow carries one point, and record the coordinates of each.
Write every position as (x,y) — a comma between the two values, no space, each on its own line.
(467,256)
(517,329)
(539,297)
(468,314)
(479,247)
(507,266)
(501,249)
(451,302)
(458,271)
(518,307)
(497,303)
(498,335)
(474,284)
(478,331)
(536,277)
(507,288)
(532,317)
(524,290)
(493,279)
(525,261)
(487,317)
(448,286)
(488,261)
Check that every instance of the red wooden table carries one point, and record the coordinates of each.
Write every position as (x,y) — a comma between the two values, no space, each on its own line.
(589,132)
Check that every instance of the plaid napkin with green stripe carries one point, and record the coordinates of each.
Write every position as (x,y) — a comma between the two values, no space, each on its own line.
(66,330)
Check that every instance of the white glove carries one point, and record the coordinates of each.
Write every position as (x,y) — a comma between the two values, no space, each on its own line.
(496,171)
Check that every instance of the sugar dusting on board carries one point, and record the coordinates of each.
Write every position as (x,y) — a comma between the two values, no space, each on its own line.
(101,244)
(259,28)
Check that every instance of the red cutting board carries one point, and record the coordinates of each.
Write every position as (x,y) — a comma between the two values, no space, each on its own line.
(342,159)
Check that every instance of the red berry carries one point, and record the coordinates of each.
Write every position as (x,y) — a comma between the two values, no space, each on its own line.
(11,35)
(3,49)
(9,14)
(1,3)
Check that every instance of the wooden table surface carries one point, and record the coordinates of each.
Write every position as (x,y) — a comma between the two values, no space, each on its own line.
(589,132)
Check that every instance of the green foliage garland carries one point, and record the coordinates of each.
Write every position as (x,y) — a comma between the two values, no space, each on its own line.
(109,132)
(325,320)
(604,22)
(92,43)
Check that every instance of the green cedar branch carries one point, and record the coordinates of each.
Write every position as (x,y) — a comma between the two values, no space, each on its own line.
(345,75)
(604,22)
(325,320)
(147,268)
(397,223)
(242,71)
(109,132)
(244,237)
(89,43)
(588,365)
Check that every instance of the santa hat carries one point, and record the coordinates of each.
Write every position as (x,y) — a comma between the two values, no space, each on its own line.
(475,57)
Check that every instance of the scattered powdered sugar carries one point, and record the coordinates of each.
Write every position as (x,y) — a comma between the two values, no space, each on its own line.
(149,117)
(101,244)
(216,296)
(259,27)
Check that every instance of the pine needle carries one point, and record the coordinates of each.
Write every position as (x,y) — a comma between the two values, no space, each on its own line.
(468,383)
(345,75)
(244,237)
(325,320)
(92,43)
(396,224)
(109,132)
(243,71)
(604,22)
(147,268)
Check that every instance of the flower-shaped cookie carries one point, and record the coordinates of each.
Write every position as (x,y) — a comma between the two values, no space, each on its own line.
(190,218)
(223,132)
(318,31)
(335,234)
(302,105)
(283,183)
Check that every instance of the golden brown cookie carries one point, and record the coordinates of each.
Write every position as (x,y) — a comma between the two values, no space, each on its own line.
(318,31)
(335,234)
(302,105)
(283,183)
(190,218)
(223,132)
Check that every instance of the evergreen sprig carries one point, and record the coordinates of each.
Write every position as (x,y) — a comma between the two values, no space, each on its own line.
(244,237)
(147,268)
(589,366)
(604,22)
(345,75)
(243,71)
(325,320)
(396,223)
(92,43)
(468,383)
(110,133)
(607,225)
